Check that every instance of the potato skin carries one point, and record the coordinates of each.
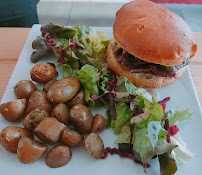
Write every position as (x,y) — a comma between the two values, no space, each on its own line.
(11,135)
(78,99)
(13,111)
(34,118)
(71,138)
(58,156)
(30,150)
(49,130)
(42,73)
(82,118)
(61,113)
(38,99)
(99,123)
(24,88)
(63,90)
(94,145)
(48,84)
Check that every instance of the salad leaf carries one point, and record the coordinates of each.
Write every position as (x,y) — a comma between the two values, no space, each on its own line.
(142,144)
(95,43)
(87,76)
(58,31)
(74,46)
(162,146)
(103,79)
(141,104)
(67,71)
(61,41)
(167,164)
(38,43)
(180,153)
(38,54)
(124,137)
(109,119)
(82,36)
(178,116)
(152,109)
(41,49)
(100,42)
(123,114)
(133,90)
(154,128)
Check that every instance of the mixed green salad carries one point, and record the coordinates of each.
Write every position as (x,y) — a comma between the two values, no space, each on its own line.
(145,129)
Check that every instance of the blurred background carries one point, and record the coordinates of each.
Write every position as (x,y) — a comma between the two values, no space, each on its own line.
(25,13)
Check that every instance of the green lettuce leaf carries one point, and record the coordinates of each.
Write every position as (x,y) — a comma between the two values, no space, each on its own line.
(133,90)
(152,109)
(95,43)
(124,137)
(142,144)
(87,76)
(178,116)
(123,115)
(67,71)
(109,119)
(61,41)
(103,79)
(82,36)
(148,146)
(167,164)
(74,63)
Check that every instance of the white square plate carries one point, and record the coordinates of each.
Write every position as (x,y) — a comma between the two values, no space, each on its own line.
(182,93)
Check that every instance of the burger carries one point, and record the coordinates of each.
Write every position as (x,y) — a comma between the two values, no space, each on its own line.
(152,46)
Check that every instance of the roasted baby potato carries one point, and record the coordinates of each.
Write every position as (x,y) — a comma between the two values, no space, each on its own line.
(99,123)
(63,90)
(61,113)
(30,150)
(48,84)
(82,118)
(71,138)
(34,118)
(13,111)
(94,145)
(49,130)
(42,73)
(11,135)
(38,99)
(58,156)
(78,99)
(24,88)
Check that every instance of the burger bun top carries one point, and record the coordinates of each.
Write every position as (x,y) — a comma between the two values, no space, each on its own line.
(154,34)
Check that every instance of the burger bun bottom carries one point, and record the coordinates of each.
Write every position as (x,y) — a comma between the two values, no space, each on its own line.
(146,80)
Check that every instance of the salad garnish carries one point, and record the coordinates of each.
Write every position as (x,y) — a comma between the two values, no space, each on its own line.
(144,128)
(113,151)
(150,128)
(72,46)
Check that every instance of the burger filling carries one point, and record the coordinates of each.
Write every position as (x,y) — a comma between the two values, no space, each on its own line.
(135,65)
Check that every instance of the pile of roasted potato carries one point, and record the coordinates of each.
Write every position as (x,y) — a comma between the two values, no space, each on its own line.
(56,115)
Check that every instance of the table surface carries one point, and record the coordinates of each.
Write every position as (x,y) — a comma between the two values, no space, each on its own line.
(13,40)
